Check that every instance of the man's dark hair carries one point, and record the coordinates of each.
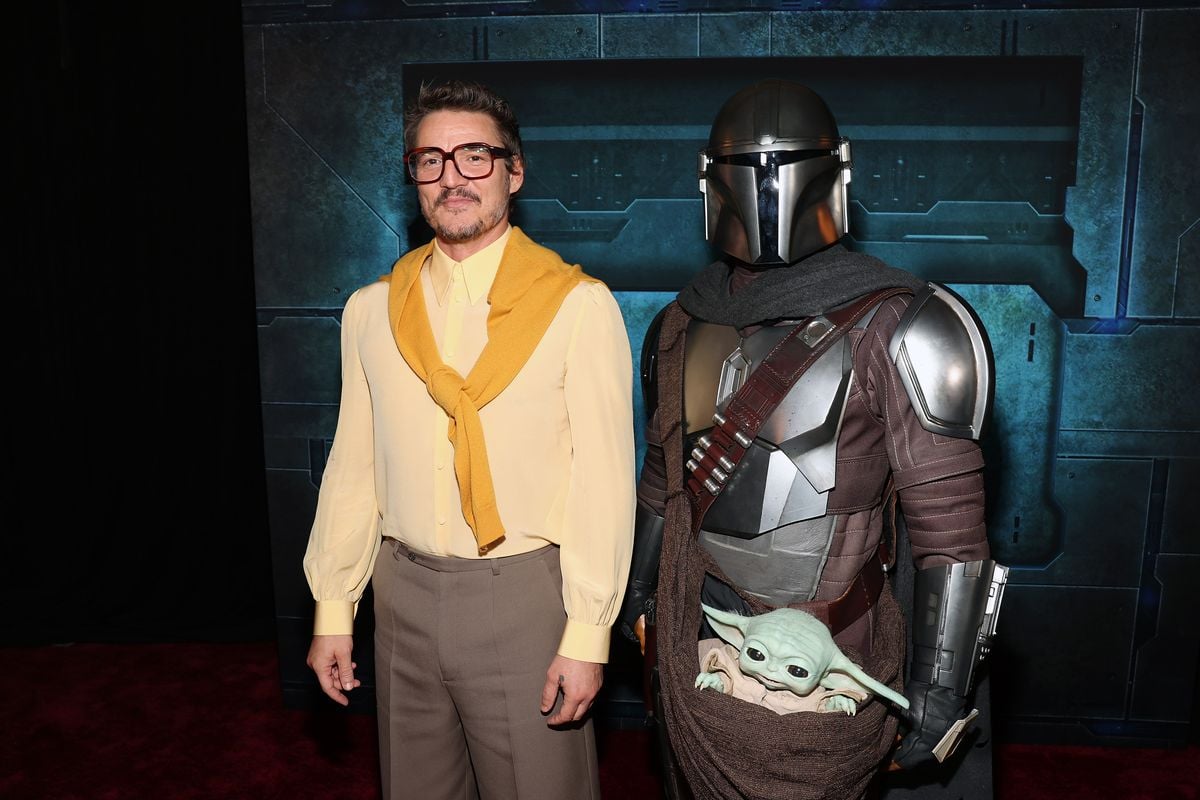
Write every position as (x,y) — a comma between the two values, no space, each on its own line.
(464,96)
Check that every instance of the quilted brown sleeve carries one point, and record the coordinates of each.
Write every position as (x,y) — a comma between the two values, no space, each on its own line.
(939,478)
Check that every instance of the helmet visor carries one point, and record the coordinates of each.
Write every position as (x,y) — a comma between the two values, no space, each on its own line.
(766,204)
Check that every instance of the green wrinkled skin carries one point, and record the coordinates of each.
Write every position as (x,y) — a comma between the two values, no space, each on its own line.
(791,650)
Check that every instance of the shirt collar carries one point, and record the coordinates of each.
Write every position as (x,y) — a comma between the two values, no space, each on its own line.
(478,270)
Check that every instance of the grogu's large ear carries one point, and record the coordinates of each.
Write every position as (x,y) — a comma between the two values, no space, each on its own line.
(848,667)
(729,626)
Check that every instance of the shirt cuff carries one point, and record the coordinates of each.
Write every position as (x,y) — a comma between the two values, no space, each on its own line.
(584,642)
(334,618)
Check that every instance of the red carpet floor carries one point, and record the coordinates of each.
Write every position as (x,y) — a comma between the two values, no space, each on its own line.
(110,722)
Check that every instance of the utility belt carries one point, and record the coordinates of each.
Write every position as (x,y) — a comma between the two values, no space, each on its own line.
(860,596)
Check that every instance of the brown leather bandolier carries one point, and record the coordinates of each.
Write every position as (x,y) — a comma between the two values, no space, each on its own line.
(719,452)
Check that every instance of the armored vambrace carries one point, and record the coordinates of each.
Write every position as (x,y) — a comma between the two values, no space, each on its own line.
(643,571)
(955,608)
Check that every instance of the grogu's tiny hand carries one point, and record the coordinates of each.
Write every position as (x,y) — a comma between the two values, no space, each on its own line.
(840,702)
(709,680)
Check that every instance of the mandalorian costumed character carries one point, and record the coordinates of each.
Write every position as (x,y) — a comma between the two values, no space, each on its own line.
(796,392)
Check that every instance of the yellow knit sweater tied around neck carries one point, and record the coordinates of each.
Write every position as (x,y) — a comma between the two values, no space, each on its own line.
(530,286)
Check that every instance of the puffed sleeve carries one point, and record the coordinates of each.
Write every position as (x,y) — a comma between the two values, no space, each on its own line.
(597,535)
(345,534)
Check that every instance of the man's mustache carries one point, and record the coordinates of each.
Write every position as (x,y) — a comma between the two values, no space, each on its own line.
(461,191)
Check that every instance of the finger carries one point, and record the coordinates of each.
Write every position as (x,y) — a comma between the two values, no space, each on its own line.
(345,672)
(575,704)
(329,686)
(549,693)
(566,713)
(580,711)
(583,701)
(337,678)
(327,680)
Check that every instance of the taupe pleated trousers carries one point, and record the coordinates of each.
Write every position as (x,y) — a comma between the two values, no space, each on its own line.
(461,651)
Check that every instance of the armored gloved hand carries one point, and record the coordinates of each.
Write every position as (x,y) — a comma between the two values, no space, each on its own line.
(638,606)
(955,608)
(643,574)
(934,711)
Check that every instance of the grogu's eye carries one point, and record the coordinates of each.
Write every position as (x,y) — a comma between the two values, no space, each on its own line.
(754,655)
(797,672)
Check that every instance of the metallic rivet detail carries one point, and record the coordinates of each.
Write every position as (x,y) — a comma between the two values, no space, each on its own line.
(815,331)
(741,438)
(720,475)
(697,454)
(725,463)
(692,466)
(713,489)
(704,442)
(718,419)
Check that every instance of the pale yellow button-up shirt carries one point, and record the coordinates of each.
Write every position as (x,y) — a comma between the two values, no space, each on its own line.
(559,441)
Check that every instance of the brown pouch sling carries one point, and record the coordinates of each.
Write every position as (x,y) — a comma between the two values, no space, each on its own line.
(729,749)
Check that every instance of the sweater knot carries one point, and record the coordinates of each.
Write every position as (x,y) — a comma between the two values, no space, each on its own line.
(445,386)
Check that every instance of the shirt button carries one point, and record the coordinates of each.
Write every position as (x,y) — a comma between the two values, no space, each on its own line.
(440,465)
(441,520)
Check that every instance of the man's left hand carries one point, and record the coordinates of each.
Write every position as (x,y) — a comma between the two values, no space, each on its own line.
(578,681)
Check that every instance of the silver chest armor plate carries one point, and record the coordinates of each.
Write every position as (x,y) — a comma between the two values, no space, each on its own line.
(768,529)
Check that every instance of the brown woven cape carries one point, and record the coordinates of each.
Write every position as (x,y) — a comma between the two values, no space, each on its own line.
(730,749)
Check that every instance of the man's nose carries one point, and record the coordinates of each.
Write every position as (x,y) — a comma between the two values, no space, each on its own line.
(451,177)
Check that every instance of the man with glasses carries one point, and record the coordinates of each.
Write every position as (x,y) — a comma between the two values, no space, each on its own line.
(482,475)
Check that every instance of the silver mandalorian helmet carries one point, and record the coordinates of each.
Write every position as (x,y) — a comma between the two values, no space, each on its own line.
(774,175)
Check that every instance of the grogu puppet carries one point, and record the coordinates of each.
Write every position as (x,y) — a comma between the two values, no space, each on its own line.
(790,650)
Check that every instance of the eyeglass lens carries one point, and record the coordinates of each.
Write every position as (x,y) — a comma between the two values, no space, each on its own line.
(472,161)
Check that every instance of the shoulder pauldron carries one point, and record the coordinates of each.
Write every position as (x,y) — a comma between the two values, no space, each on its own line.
(945,363)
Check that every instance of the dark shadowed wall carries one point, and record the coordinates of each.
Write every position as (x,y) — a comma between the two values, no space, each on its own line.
(134,484)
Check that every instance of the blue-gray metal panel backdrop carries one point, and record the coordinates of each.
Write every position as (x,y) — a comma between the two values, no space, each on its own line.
(1042,163)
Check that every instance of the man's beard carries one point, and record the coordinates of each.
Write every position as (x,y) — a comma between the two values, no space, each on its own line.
(463,232)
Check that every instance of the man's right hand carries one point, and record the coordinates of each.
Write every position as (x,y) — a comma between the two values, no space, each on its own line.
(329,657)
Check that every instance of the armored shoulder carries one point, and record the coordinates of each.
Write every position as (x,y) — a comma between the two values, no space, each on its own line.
(944,360)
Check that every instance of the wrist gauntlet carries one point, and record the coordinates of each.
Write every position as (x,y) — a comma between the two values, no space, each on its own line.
(643,571)
(955,609)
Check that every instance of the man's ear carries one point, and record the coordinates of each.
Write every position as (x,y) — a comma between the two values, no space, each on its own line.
(516,175)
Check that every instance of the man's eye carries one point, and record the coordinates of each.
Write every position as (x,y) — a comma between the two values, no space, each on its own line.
(429,161)
(754,655)
(797,672)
